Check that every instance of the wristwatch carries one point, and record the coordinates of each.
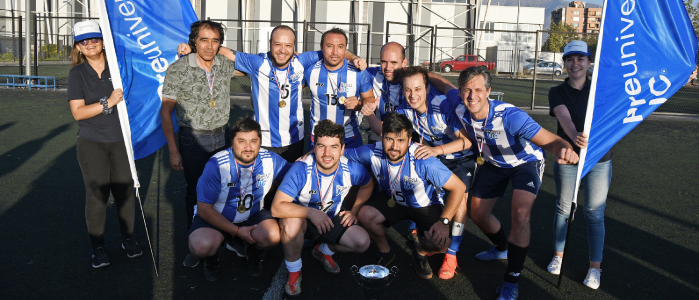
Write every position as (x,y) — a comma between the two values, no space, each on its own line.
(445,221)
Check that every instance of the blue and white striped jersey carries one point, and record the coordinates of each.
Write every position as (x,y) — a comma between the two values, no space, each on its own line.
(281,126)
(438,124)
(419,183)
(221,186)
(387,94)
(301,183)
(328,86)
(507,134)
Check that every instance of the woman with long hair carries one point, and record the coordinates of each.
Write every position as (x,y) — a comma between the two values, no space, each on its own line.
(100,147)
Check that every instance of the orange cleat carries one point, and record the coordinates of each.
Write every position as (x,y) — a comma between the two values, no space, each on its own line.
(448,268)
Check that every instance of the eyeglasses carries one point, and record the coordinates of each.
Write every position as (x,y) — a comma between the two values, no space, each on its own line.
(94,41)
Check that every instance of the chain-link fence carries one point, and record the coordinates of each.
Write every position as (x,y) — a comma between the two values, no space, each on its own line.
(418,41)
(11,45)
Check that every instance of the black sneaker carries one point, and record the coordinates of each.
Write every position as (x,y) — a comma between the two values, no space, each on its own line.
(211,272)
(254,257)
(190,261)
(422,266)
(413,238)
(385,259)
(131,247)
(99,257)
(237,245)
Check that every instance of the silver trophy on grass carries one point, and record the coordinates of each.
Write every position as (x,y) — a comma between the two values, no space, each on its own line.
(374,279)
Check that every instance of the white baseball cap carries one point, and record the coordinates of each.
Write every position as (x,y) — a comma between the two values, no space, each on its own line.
(576,47)
(86,29)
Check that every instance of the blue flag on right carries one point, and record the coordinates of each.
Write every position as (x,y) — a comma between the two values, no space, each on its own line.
(646,52)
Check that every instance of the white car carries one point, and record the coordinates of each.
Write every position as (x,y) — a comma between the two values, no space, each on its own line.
(547,67)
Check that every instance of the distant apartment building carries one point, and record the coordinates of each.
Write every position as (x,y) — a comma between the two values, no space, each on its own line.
(587,20)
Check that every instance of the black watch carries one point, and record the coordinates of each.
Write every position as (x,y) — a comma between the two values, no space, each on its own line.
(444,221)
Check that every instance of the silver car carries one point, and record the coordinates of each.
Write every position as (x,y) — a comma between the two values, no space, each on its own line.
(547,67)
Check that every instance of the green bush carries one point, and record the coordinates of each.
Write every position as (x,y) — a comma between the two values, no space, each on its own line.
(7,57)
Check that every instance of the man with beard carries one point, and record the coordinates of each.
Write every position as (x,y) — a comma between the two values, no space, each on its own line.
(277,90)
(231,194)
(336,87)
(310,202)
(413,190)
(511,148)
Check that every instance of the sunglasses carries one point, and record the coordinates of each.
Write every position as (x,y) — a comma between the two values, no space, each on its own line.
(94,41)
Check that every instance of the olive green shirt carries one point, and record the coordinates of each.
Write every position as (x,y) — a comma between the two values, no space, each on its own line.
(186,83)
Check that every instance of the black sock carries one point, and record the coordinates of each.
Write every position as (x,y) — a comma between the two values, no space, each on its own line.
(498,239)
(515,262)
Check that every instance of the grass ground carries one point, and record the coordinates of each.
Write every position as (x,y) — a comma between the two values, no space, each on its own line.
(651,245)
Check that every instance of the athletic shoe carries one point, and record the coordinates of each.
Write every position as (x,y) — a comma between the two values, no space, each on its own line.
(99,257)
(131,247)
(385,259)
(327,261)
(422,266)
(413,238)
(492,254)
(555,265)
(448,267)
(293,287)
(190,261)
(508,291)
(237,245)
(211,272)
(254,261)
(593,278)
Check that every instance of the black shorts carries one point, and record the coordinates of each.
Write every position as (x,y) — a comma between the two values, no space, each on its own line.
(463,167)
(289,152)
(331,237)
(257,218)
(491,181)
(424,217)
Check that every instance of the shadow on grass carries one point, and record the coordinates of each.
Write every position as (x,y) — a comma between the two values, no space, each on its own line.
(13,159)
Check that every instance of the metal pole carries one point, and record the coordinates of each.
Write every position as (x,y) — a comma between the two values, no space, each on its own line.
(28,41)
(571,217)
(536,59)
(20,46)
(36,46)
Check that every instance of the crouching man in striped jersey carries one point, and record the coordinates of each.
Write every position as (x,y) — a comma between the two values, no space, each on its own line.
(311,203)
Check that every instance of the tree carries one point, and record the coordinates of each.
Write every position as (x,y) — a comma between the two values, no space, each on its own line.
(557,41)
(693,11)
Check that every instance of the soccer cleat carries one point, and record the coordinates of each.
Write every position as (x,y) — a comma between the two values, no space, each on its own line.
(254,257)
(413,238)
(492,254)
(211,271)
(555,265)
(422,266)
(131,247)
(448,268)
(508,291)
(593,278)
(327,261)
(385,259)
(293,287)
(190,261)
(99,257)
(237,245)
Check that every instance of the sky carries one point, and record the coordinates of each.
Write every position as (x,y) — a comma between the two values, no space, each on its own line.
(599,2)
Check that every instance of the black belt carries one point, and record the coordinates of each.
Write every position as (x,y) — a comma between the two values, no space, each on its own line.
(201,131)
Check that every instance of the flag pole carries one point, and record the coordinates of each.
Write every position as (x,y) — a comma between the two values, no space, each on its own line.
(586,130)
(123,113)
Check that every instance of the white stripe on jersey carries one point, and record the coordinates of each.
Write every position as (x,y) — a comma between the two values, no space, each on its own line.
(263,102)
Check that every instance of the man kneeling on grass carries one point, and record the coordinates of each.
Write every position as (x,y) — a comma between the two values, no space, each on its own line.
(310,201)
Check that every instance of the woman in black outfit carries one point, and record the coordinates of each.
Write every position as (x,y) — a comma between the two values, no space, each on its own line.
(100,147)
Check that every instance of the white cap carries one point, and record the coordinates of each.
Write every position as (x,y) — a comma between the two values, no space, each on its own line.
(576,47)
(86,29)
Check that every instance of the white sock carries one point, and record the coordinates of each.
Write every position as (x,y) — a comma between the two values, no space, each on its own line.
(293,266)
(325,250)
(457,229)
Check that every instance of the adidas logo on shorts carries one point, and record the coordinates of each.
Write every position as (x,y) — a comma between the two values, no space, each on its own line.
(531,184)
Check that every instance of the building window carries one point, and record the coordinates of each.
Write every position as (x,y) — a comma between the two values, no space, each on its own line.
(576,19)
(575,25)
(599,13)
(577,12)
(590,31)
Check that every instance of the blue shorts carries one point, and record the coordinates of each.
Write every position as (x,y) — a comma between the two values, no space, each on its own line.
(491,181)
(262,215)
(463,167)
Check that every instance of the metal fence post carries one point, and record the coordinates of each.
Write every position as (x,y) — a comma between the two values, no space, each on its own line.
(36,46)
(21,66)
(536,60)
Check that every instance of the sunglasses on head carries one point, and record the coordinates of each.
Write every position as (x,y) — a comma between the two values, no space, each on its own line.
(93,40)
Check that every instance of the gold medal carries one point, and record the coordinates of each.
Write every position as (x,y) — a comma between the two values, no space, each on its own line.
(212,103)
(391,202)
(241,208)
(282,104)
(480,160)
(341,100)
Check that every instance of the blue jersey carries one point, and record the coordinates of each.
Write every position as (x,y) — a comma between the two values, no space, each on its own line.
(506,134)
(438,124)
(387,94)
(328,86)
(222,183)
(301,183)
(418,183)
(280,114)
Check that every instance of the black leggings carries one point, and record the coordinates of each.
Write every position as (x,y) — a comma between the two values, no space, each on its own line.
(105,169)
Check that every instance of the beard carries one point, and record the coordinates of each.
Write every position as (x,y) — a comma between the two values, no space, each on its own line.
(243,160)
(278,64)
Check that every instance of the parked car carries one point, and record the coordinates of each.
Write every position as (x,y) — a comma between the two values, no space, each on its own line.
(462,62)
(530,62)
(547,67)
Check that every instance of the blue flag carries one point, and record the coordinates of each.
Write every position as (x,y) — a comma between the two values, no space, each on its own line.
(146,34)
(646,52)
